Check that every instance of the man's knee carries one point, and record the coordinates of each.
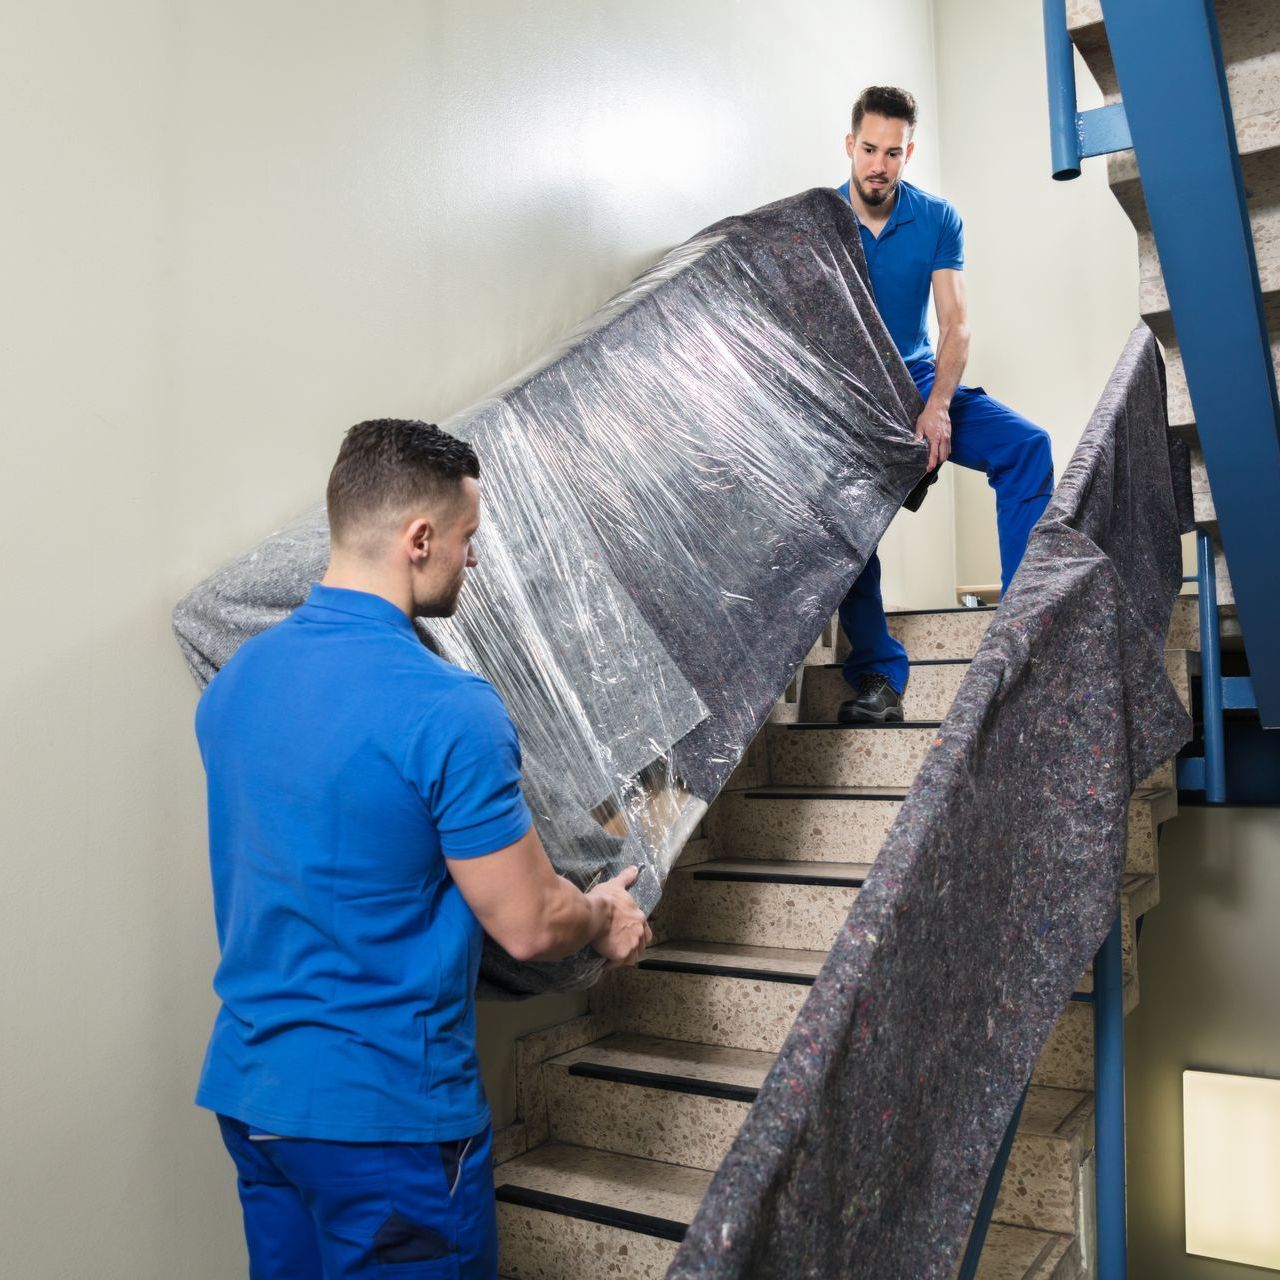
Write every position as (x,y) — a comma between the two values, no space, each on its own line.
(1027,465)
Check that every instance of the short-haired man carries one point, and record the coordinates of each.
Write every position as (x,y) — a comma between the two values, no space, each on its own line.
(366,827)
(914,243)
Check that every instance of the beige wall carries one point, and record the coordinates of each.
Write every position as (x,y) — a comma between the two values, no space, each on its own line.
(230,231)
(1052,267)
(1209,958)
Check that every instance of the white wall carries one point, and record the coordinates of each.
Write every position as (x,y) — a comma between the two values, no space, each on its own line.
(1052,267)
(230,231)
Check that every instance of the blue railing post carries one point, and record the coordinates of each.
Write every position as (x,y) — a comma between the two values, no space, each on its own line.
(1215,756)
(1060,67)
(1108,1067)
(982,1219)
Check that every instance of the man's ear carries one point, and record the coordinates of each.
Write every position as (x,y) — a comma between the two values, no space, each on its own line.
(417,539)
(911,146)
(848,145)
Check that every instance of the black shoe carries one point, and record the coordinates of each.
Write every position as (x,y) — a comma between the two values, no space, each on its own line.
(877,702)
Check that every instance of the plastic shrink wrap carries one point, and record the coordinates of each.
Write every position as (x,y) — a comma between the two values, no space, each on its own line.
(674,503)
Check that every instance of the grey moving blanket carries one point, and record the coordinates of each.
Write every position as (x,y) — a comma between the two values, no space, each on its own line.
(868,1146)
(674,503)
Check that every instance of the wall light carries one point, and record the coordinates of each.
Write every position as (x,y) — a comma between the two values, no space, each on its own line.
(1231,1154)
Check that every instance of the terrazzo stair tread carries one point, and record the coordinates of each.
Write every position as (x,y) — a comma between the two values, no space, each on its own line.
(1020,1253)
(1066,1062)
(939,633)
(789,965)
(1184,626)
(555,1241)
(684,1103)
(840,824)
(736,996)
(849,824)
(566,1212)
(1181,413)
(824,754)
(754,902)
(848,875)
(929,694)
(1248,48)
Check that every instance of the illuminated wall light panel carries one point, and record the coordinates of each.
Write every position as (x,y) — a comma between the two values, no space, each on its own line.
(1231,1154)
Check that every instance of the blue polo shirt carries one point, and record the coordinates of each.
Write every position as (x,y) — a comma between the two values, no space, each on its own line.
(345,762)
(924,234)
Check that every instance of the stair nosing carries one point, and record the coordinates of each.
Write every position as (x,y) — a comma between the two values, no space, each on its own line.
(667,1081)
(714,872)
(809,793)
(710,969)
(915,662)
(809,725)
(591,1211)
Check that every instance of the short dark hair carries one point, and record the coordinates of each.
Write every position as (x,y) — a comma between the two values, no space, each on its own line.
(884,100)
(387,464)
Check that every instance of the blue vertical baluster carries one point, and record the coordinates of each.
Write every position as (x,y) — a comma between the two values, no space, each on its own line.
(982,1220)
(1108,1069)
(1215,756)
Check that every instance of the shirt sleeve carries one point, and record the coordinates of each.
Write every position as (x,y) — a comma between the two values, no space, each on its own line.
(465,762)
(949,255)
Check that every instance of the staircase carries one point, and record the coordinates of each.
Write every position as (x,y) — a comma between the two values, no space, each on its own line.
(1251,51)
(626,1111)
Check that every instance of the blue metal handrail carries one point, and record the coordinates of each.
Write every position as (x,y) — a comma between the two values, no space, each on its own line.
(1075,135)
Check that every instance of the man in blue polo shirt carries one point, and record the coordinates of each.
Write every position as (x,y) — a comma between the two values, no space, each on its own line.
(914,244)
(366,828)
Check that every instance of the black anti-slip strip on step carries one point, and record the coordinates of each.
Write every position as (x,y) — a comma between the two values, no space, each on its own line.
(774,794)
(712,970)
(865,724)
(606,1215)
(782,877)
(664,1080)
(915,662)
(960,608)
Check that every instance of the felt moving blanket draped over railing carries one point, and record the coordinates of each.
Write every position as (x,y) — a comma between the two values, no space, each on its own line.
(674,504)
(867,1149)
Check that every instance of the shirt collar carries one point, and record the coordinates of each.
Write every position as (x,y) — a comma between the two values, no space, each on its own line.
(355,604)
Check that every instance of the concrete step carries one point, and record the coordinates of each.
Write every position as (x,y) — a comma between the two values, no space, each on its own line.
(848,825)
(1249,50)
(1182,418)
(839,824)
(684,1103)
(929,695)
(570,1213)
(1184,627)
(776,904)
(744,997)
(739,997)
(828,755)
(1066,1062)
(937,633)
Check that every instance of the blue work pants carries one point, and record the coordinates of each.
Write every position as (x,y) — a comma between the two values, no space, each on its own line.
(318,1210)
(1015,454)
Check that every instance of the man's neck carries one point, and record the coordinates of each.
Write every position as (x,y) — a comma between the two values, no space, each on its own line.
(353,574)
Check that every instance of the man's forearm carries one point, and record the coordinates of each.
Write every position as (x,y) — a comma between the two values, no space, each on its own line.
(570,920)
(953,355)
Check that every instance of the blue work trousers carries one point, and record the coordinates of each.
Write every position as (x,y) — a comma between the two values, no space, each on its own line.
(1015,454)
(318,1210)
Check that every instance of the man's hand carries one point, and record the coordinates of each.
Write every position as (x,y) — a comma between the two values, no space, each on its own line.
(626,932)
(934,425)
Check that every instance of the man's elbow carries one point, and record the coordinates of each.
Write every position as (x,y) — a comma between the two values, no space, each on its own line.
(528,945)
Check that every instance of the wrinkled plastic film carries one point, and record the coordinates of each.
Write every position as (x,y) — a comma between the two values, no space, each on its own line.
(674,503)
